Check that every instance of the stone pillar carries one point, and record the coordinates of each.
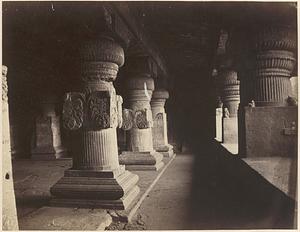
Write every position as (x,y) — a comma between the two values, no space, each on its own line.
(231,99)
(9,211)
(92,115)
(230,91)
(46,141)
(160,130)
(266,62)
(138,120)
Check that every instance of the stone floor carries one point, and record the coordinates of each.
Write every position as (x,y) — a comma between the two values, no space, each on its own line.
(32,182)
(211,189)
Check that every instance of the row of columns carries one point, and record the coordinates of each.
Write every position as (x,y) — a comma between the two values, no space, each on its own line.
(91,116)
(264,60)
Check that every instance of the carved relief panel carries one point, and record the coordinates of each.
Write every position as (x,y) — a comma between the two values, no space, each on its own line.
(94,111)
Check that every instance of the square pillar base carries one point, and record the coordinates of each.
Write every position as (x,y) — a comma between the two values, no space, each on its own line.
(271,131)
(230,130)
(151,160)
(167,150)
(95,189)
(48,153)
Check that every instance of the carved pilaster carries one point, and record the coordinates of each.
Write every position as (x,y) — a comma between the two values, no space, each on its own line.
(91,116)
(138,120)
(159,130)
(9,218)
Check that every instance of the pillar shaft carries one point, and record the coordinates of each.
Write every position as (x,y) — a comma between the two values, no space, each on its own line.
(92,115)
(160,131)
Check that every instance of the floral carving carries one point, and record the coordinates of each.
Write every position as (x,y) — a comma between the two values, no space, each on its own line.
(73,111)
(128,116)
(141,120)
(99,109)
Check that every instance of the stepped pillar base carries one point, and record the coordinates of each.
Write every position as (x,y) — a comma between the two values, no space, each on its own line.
(95,189)
(151,160)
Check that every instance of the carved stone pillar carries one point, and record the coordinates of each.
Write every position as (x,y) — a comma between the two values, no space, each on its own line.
(9,212)
(230,91)
(159,130)
(46,140)
(231,99)
(266,61)
(138,120)
(92,115)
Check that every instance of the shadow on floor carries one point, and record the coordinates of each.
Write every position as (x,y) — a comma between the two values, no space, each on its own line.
(228,194)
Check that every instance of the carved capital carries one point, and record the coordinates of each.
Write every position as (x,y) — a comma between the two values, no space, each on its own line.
(140,83)
(104,49)
(275,37)
(100,60)
(275,63)
(160,94)
(94,71)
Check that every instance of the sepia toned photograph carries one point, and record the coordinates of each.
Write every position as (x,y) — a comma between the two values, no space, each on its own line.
(149,115)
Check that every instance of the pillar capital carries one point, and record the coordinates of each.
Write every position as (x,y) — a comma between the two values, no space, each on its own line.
(140,83)
(160,94)
(100,60)
(141,66)
(158,101)
(274,37)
